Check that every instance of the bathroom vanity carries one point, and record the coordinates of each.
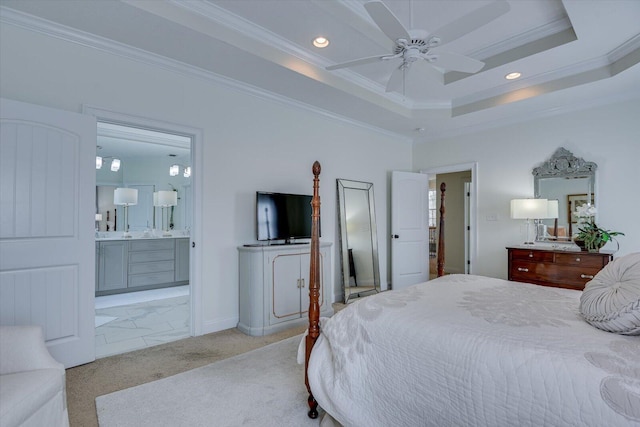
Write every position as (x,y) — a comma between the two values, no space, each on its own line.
(140,263)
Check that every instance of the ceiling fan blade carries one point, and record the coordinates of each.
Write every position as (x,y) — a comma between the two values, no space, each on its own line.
(387,21)
(471,21)
(360,61)
(395,81)
(425,68)
(455,62)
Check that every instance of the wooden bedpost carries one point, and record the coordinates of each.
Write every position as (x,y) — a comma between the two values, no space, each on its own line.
(443,188)
(314,287)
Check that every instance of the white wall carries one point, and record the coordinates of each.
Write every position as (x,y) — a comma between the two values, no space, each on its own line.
(608,136)
(250,144)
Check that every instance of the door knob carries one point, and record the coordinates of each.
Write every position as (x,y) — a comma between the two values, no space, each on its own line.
(395,236)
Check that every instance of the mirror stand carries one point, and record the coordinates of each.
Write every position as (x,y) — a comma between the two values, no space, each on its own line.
(358,239)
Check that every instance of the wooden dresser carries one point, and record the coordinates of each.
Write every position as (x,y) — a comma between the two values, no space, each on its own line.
(560,269)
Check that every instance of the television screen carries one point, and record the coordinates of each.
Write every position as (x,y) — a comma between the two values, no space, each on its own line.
(282,216)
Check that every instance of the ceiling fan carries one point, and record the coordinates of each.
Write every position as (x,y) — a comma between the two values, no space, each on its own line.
(416,45)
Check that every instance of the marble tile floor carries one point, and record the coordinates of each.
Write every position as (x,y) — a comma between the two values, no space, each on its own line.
(131,321)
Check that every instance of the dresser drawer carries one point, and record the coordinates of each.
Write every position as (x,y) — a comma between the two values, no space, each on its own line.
(167,255)
(151,245)
(528,255)
(560,269)
(569,276)
(582,259)
(151,267)
(524,271)
(150,279)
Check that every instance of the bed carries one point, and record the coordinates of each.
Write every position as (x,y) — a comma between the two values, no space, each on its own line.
(464,350)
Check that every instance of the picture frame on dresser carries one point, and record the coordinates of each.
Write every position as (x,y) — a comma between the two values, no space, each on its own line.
(574,201)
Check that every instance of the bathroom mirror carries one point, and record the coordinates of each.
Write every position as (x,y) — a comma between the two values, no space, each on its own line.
(571,181)
(358,239)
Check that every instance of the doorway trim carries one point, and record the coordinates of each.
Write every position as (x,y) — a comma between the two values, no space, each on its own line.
(473,203)
(196,134)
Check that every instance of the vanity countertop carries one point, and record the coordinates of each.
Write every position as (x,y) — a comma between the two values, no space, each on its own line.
(112,236)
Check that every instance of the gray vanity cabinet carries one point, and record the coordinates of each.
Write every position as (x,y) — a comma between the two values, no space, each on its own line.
(112,265)
(141,264)
(182,259)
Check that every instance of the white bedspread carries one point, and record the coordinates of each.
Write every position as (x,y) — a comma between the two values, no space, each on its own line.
(474,351)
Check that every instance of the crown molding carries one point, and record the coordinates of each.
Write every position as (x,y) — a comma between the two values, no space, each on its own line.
(62,32)
(537,115)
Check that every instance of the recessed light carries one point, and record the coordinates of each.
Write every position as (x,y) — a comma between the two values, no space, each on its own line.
(321,42)
(512,76)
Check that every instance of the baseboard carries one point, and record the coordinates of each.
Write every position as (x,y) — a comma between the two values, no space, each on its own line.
(210,326)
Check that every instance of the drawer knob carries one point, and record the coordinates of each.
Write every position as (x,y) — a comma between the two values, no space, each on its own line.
(586,276)
(530,254)
(523,269)
(577,259)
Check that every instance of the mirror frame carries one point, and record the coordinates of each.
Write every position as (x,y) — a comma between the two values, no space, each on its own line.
(342,185)
(563,164)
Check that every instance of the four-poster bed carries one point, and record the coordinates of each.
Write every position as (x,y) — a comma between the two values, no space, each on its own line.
(472,350)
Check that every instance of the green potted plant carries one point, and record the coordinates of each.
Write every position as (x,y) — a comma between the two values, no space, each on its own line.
(590,237)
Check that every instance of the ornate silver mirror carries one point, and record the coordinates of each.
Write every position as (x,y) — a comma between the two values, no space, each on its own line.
(358,239)
(569,181)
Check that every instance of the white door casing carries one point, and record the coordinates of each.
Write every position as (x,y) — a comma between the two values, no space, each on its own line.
(409,229)
(471,211)
(47,207)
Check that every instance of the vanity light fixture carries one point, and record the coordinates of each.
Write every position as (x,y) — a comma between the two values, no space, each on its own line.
(187,172)
(98,162)
(513,76)
(321,42)
(174,170)
(115,165)
(529,209)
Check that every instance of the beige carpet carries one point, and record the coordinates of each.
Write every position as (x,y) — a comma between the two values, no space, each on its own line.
(261,388)
(110,374)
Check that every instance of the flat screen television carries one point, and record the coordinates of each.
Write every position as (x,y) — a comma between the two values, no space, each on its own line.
(281,216)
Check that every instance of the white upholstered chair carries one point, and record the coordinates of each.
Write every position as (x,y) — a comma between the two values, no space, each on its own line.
(32,383)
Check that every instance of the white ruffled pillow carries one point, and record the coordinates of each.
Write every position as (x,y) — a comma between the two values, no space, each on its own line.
(611,300)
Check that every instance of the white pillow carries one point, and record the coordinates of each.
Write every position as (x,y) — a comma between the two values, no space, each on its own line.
(611,300)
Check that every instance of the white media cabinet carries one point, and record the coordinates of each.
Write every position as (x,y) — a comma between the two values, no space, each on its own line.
(274,286)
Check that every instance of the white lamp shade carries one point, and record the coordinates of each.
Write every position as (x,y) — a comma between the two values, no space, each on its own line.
(552,209)
(165,198)
(98,217)
(115,165)
(125,196)
(174,170)
(98,162)
(528,208)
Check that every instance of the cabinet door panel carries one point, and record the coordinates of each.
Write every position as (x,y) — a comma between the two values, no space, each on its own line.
(182,259)
(113,263)
(285,282)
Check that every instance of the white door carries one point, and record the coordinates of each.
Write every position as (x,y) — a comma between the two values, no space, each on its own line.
(409,229)
(47,207)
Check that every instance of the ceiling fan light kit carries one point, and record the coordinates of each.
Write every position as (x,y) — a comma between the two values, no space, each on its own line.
(416,44)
